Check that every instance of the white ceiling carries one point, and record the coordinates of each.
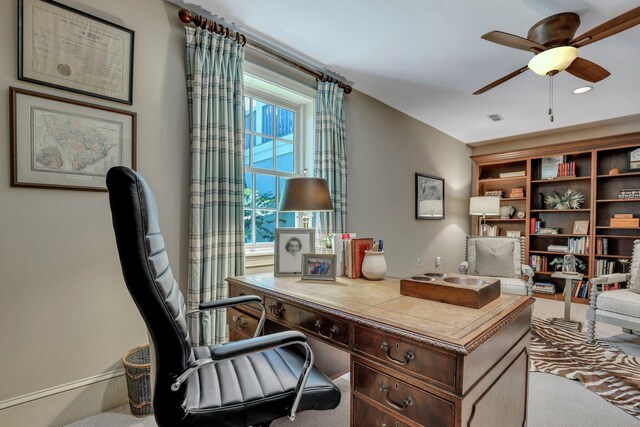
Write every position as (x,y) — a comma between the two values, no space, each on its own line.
(426,58)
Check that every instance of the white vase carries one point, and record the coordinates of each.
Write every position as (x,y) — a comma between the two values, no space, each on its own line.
(374,267)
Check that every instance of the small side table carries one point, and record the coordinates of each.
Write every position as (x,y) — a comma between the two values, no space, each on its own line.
(566,322)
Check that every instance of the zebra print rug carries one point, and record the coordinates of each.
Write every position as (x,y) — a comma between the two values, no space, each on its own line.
(601,367)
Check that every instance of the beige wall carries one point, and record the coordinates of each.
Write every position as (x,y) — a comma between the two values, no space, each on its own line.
(385,148)
(617,126)
(65,315)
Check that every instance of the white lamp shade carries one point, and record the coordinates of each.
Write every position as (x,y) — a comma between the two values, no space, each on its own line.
(484,205)
(556,59)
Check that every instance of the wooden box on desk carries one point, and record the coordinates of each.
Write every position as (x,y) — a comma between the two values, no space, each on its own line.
(465,291)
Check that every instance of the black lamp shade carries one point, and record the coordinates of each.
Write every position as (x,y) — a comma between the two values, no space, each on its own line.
(306,195)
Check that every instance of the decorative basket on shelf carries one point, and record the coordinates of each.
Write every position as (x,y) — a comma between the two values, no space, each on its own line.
(137,367)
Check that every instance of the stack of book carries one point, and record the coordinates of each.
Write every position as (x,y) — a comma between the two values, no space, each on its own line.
(548,230)
(547,288)
(578,245)
(629,193)
(517,193)
(557,248)
(567,169)
(604,266)
(602,246)
(349,252)
(489,231)
(612,286)
(513,174)
(538,262)
(494,193)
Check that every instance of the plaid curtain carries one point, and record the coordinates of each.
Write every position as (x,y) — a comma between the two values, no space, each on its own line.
(330,156)
(216,234)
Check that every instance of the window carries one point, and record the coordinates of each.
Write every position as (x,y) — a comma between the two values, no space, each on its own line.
(277,125)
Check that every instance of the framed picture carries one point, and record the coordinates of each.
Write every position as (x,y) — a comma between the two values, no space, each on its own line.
(581,227)
(429,197)
(549,167)
(318,267)
(511,233)
(290,244)
(67,144)
(634,160)
(65,48)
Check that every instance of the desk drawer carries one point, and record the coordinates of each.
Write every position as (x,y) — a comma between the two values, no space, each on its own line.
(236,335)
(241,322)
(365,415)
(237,291)
(426,363)
(424,408)
(319,325)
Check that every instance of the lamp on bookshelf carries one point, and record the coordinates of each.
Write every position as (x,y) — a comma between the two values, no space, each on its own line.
(484,206)
(306,195)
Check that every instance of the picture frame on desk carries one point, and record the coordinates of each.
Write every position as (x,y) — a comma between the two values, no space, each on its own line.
(61,143)
(429,197)
(319,267)
(66,48)
(289,246)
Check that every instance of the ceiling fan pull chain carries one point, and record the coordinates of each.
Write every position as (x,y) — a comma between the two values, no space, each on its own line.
(551,98)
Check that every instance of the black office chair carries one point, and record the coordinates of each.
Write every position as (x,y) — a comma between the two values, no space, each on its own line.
(244,383)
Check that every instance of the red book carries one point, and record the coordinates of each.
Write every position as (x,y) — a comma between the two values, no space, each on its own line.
(358,246)
(533,226)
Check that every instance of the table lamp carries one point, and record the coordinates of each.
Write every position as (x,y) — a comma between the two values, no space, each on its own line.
(483,206)
(305,195)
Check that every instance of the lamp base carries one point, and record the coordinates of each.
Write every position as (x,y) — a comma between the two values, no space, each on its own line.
(305,220)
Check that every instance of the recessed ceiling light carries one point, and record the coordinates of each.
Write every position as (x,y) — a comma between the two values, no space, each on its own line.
(583,89)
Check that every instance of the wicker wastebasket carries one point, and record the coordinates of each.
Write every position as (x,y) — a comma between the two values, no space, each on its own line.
(137,366)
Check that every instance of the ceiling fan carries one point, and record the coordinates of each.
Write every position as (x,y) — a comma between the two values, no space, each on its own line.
(556,49)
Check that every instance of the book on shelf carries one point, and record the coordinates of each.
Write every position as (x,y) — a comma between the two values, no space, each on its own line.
(534,225)
(358,246)
(489,231)
(579,246)
(605,266)
(602,246)
(547,288)
(567,169)
(548,230)
(513,174)
(339,242)
(557,248)
(538,263)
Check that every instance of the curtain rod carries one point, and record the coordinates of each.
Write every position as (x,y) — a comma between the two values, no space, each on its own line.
(188,17)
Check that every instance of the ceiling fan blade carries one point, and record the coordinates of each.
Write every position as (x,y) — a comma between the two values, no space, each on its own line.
(609,28)
(501,80)
(587,70)
(513,41)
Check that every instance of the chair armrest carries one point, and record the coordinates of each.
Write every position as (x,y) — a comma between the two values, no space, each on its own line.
(255,345)
(607,279)
(233,302)
(527,272)
(463,267)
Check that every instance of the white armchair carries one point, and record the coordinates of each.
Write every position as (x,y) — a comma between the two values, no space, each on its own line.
(620,307)
(499,258)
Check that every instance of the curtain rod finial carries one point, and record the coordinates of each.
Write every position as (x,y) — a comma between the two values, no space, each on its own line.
(185,16)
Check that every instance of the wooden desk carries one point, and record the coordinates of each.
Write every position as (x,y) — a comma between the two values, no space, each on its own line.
(413,362)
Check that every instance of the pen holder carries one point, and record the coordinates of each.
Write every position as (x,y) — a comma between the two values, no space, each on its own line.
(374,267)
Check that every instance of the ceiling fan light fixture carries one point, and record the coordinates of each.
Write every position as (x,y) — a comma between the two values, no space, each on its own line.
(583,89)
(552,61)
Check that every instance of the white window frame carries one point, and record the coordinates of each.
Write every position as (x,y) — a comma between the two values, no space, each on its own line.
(270,86)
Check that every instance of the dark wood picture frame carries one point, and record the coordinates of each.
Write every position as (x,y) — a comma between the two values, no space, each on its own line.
(21,74)
(429,198)
(14,133)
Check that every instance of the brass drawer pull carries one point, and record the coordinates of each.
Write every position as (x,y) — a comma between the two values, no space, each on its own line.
(240,323)
(408,355)
(334,330)
(406,402)
(277,311)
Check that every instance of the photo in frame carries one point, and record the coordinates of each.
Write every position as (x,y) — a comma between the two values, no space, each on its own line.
(581,227)
(319,267)
(634,161)
(289,245)
(429,197)
(549,167)
(67,144)
(65,48)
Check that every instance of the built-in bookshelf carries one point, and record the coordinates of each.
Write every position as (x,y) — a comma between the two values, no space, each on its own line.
(599,169)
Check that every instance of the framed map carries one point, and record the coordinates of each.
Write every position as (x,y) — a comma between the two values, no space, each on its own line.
(429,197)
(67,144)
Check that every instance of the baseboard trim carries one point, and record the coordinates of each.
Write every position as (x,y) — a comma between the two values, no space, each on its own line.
(40,394)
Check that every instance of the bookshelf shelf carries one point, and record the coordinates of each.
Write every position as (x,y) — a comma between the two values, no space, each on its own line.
(561,179)
(589,162)
(549,273)
(505,220)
